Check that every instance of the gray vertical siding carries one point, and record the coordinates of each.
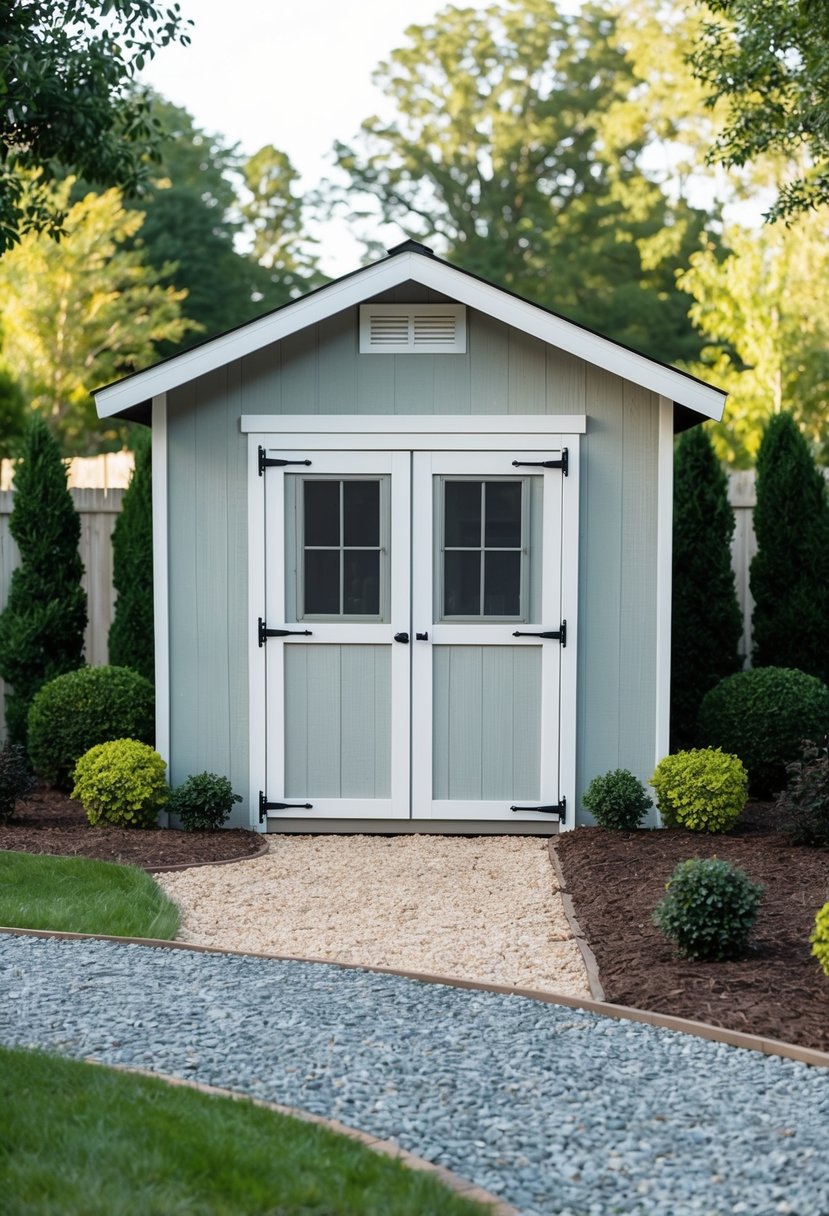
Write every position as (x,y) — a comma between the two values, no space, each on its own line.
(319,370)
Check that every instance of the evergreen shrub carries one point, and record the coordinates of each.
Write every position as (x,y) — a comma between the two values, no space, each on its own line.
(803,807)
(15,779)
(789,575)
(762,716)
(131,636)
(42,625)
(617,800)
(121,782)
(702,575)
(91,705)
(203,802)
(709,909)
(820,938)
(703,790)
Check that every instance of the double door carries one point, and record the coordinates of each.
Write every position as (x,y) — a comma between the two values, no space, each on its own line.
(413,635)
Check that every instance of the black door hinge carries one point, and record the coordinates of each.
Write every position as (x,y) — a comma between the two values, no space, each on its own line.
(265,806)
(556,635)
(560,809)
(563,463)
(265,633)
(272,462)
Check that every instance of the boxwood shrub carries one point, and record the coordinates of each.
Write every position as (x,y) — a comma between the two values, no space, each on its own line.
(617,800)
(121,782)
(709,909)
(81,708)
(762,716)
(703,789)
(203,802)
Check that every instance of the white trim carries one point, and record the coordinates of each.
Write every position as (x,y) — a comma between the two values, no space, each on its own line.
(407,428)
(384,276)
(568,680)
(161,571)
(257,700)
(664,570)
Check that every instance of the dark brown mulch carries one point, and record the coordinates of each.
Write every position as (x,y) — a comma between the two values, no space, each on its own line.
(50,822)
(778,991)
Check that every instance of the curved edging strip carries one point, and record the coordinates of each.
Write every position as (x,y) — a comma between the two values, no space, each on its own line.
(702,1030)
(591,964)
(452,1181)
(264,847)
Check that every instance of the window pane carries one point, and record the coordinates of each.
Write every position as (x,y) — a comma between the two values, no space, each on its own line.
(503,515)
(322,579)
(462,514)
(361,576)
(502,584)
(462,584)
(322,513)
(361,512)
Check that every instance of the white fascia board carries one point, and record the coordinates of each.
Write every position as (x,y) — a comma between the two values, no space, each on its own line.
(437,275)
(414,424)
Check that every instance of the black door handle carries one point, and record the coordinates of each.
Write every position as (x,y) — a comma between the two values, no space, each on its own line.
(401,637)
(422,637)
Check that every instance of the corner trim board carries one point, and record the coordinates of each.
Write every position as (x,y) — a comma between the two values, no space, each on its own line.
(161,595)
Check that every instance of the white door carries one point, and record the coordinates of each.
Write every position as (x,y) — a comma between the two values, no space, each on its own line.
(412,635)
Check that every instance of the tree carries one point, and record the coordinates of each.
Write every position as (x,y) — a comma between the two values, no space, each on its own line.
(769,60)
(505,152)
(131,635)
(68,101)
(789,575)
(275,213)
(705,621)
(42,626)
(764,310)
(79,313)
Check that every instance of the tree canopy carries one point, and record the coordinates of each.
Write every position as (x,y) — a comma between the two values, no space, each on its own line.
(68,102)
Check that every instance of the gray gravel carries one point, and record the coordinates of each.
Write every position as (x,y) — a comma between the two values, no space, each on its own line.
(556,1110)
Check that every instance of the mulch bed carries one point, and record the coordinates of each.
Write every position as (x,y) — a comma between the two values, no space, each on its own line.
(778,991)
(615,879)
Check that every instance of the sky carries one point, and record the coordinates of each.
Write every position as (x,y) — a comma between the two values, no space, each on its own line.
(293,73)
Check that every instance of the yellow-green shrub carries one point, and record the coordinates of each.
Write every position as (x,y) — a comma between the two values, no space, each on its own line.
(704,789)
(820,938)
(121,782)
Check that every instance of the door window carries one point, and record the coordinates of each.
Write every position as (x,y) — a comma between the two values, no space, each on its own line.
(342,530)
(484,568)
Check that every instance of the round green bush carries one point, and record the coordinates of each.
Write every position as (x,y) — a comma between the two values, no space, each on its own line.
(820,938)
(703,790)
(617,800)
(709,909)
(121,782)
(203,802)
(762,715)
(81,708)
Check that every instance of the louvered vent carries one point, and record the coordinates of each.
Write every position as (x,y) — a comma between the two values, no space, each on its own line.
(393,329)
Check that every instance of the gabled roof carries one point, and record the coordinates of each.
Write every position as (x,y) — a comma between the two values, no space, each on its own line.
(406,262)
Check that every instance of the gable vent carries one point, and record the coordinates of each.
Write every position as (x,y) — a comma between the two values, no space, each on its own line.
(393,329)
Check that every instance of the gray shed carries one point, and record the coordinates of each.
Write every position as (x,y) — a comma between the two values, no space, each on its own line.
(412,555)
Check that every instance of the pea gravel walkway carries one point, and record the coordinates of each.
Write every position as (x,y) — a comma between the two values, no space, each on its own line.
(553,1109)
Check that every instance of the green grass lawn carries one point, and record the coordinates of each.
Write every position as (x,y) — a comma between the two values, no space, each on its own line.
(79,895)
(80,1140)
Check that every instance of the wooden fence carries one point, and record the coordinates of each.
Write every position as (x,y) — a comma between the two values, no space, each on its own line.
(742,496)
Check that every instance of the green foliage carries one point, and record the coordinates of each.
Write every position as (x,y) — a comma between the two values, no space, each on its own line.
(709,909)
(789,574)
(706,622)
(42,626)
(762,716)
(770,60)
(203,802)
(82,895)
(15,781)
(121,782)
(91,705)
(131,634)
(67,73)
(12,412)
(275,213)
(703,790)
(617,800)
(820,938)
(803,807)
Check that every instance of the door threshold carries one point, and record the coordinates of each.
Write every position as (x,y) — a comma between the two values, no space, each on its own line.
(401,827)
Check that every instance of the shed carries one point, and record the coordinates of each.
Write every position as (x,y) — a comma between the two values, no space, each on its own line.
(412,555)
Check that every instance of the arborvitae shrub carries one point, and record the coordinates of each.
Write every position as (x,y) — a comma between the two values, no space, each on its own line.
(789,575)
(131,639)
(121,782)
(203,802)
(42,626)
(820,938)
(703,790)
(706,622)
(803,807)
(709,909)
(617,800)
(762,716)
(91,705)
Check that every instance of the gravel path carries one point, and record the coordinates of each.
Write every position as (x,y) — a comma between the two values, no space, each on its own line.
(558,1111)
